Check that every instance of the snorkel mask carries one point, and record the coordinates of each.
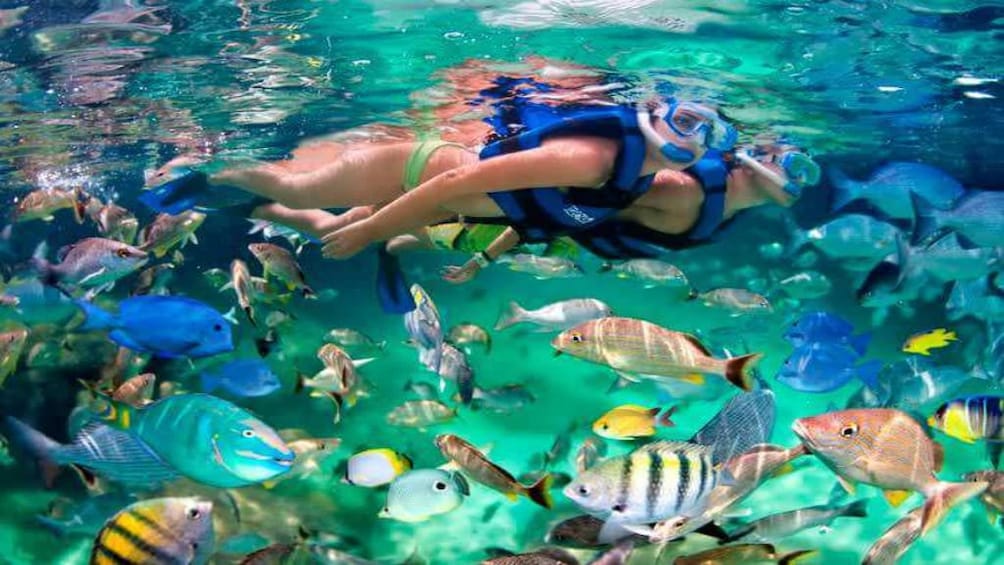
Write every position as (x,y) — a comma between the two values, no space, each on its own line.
(799,169)
(686,120)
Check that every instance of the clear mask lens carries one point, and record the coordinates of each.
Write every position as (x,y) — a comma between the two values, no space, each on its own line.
(688,119)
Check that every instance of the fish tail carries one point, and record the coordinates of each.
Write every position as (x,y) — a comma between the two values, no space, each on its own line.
(95,318)
(856,509)
(796,556)
(46,272)
(56,528)
(301,381)
(943,497)
(512,315)
(737,370)
(308,293)
(79,205)
(869,373)
(540,491)
(36,444)
(249,311)
(664,418)
(845,190)
(928,221)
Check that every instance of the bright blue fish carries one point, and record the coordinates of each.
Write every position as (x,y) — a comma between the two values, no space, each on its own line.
(890,187)
(207,439)
(822,367)
(166,326)
(114,455)
(823,327)
(245,378)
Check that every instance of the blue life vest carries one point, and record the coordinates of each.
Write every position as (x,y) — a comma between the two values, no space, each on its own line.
(541,214)
(618,239)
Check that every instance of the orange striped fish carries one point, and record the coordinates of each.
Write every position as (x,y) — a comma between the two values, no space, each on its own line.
(639,349)
(157,531)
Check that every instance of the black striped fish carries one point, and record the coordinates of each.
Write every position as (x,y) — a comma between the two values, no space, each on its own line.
(157,531)
(659,480)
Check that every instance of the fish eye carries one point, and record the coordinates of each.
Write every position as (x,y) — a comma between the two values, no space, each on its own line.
(439,485)
(122,252)
(248,433)
(605,427)
(576,337)
(583,490)
(849,431)
(617,508)
(217,327)
(194,513)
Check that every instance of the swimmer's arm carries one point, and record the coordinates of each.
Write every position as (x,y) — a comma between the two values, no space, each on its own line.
(559,163)
(501,244)
(315,223)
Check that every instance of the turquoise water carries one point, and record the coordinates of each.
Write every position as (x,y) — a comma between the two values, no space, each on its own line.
(93,94)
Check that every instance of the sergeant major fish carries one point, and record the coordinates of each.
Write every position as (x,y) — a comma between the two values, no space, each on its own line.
(159,531)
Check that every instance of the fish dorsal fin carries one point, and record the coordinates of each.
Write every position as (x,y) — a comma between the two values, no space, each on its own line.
(697,343)
(692,449)
(847,484)
(896,497)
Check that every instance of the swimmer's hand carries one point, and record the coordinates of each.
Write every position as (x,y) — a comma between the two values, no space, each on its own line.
(460,275)
(347,241)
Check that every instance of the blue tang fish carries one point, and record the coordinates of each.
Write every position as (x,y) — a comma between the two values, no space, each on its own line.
(824,327)
(822,367)
(96,448)
(246,378)
(165,326)
(207,439)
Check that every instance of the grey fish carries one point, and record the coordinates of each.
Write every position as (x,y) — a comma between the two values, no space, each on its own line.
(543,556)
(468,333)
(112,454)
(502,399)
(651,272)
(745,421)
(425,328)
(556,316)
(91,262)
(806,285)
(541,267)
(784,524)
(580,532)
(890,188)
(591,450)
(853,237)
(453,366)
(738,301)
(354,340)
(978,216)
(85,517)
(421,413)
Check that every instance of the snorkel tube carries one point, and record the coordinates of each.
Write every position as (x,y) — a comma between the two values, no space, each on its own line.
(672,152)
(799,169)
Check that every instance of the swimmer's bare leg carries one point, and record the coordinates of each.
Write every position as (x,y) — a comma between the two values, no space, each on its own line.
(361,176)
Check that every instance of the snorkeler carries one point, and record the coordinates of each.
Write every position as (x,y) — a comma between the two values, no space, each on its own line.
(609,153)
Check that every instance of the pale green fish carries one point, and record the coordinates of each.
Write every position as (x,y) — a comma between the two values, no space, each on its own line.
(806,285)
(785,524)
(419,495)
(541,267)
(651,483)
(467,333)
(421,413)
(738,301)
(168,231)
(354,340)
(650,272)
(158,531)
(205,438)
(281,264)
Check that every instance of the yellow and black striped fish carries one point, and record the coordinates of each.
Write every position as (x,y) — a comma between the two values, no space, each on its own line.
(159,531)
(654,482)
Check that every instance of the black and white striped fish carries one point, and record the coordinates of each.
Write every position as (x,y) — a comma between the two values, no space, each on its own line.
(661,479)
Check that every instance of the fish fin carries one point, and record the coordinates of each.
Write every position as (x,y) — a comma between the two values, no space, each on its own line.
(540,491)
(465,487)
(694,341)
(95,318)
(796,556)
(847,484)
(89,479)
(301,380)
(664,419)
(308,293)
(269,485)
(229,285)
(231,316)
(896,497)
(38,445)
(640,529)
(994,449)
(513,497)
(927,224)
(92,276)
(512,315)
(360,362)
(845,190)
(945,496)
(869,373)
(938,454)
(612,532)
(856,509)
(249,312)
(630,377)
(737,370)
(713,530)
(859,343)
(115,414)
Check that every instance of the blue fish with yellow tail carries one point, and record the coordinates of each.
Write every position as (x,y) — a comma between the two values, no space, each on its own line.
(165,326)
(207,439)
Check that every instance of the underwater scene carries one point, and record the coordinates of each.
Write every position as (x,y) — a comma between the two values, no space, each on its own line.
(505,282)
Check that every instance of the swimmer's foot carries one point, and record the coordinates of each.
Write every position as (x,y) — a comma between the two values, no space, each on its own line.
(177,195)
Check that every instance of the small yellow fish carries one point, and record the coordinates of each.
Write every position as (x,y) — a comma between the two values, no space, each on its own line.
(632,421)
(922,344)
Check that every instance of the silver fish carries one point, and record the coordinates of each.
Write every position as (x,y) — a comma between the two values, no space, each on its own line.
(541,267)
(555,316)
(784,524)
(91,262)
